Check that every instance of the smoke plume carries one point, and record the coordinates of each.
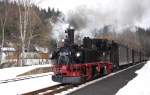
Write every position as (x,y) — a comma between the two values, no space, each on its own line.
(121,14)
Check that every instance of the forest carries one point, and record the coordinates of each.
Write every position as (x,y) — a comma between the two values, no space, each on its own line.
(36,25)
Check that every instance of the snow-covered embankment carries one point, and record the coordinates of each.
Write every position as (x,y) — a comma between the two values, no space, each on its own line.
(140,85)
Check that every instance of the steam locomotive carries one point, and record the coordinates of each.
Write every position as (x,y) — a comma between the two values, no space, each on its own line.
(94,58)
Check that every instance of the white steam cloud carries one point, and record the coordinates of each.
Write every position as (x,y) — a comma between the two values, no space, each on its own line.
(90,15)
(58,31)
(120,12)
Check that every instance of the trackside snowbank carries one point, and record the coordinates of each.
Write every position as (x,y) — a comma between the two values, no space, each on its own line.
(8,73)
(140,85)
(24,86)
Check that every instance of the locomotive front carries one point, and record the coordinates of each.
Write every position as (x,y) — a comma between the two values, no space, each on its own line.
(66,69)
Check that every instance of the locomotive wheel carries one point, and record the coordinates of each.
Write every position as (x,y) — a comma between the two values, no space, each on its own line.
(112,70)
(83,79)
(104,71)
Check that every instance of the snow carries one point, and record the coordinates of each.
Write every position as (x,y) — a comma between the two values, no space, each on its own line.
(9,73)
(10,49)
(140,85)
(24,86)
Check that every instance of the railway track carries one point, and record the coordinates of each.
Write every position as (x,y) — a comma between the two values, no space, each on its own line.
(23,78)
(50,90)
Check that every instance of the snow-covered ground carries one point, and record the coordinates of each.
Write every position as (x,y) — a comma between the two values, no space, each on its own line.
(23,86)
(9,73)
(140,85)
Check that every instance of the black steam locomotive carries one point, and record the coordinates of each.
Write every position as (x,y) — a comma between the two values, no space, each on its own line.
(94,58)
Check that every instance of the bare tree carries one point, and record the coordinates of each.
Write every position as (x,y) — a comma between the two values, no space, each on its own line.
(34,20)
(25,25)
(3,19)
(24,7)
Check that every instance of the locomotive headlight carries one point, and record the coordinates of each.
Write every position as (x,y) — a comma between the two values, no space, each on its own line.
(63,40)
(51,55)
(78,54)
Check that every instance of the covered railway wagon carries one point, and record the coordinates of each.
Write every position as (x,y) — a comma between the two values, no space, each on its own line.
(94,58)
(122,55)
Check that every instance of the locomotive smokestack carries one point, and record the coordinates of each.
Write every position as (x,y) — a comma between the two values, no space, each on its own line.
(69,36)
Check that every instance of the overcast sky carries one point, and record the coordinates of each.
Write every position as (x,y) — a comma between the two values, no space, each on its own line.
(135,12)
(65,5)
